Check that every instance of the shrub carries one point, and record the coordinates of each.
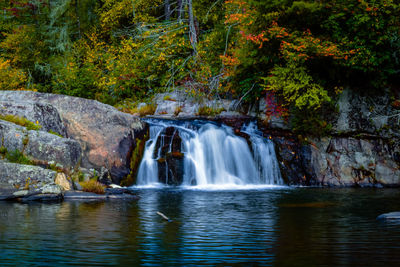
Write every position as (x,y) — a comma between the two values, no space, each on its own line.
(17,156)
(209,111)
(93,186)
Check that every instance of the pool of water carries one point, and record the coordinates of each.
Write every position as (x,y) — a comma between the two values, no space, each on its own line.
(256,227)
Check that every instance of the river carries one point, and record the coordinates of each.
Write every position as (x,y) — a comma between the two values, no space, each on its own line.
(280,226)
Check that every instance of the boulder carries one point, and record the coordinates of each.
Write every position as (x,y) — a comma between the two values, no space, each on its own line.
(43,198)
(18,176)
(61,180)
(40,145)
(45,114)
(51,188)
(106,135)
(389,217)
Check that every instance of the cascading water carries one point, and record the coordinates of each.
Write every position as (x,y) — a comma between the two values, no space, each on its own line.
(202,153)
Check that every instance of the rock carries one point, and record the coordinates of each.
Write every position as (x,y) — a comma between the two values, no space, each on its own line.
(45,114)
(389,217)
(77,186)
(21,193)
(364,114)
(39,145)
(43,198)
(170,163)
(51,189)
(105,134)
(104,176)
(79,195)
(61,180)
(14,175)
(354,162)
(118,191)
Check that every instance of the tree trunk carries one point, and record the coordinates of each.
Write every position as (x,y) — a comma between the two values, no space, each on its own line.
(167,8)
(78,21)
(192,27)
(180,9)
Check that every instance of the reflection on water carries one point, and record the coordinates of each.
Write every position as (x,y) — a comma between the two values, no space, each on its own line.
(277,226)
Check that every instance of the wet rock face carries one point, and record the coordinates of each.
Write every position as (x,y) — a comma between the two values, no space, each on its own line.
(295,161)
(105,135)
(360,162)
(337,161)
(170,157)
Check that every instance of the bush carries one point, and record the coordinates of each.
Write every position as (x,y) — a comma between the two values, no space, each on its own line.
(93,186)
(17,156)
(209,111)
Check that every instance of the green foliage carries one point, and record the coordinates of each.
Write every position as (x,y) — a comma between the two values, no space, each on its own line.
(3,151)
(113,50)
(209,111)
(17,156)
(297,87)
(21,121)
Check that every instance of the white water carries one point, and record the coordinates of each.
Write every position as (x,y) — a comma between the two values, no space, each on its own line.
(214,157)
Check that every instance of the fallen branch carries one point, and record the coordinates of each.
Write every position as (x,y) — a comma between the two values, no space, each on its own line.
(163,216)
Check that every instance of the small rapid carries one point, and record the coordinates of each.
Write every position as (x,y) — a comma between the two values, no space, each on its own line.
(202,154)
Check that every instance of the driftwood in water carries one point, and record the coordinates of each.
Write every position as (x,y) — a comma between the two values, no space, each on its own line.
(163,216)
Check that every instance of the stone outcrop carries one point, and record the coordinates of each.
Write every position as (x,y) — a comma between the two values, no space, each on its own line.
(339,161)
(350,161)
(18,176)
(45,114)
(105,135)
(40,146)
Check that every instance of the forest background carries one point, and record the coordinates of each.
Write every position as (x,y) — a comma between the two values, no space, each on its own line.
(299,55)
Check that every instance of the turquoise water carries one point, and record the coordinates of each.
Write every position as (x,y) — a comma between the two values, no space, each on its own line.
(276,226)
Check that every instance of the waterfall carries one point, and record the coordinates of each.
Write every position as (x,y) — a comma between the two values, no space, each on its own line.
(203,153)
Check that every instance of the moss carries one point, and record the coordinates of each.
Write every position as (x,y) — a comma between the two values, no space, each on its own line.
(169,98)
(209,111)
(59,135)
(176,154)
(136,158)
(21,121)
(3,151)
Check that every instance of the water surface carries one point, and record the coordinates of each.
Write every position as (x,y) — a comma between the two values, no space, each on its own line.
(253,227)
